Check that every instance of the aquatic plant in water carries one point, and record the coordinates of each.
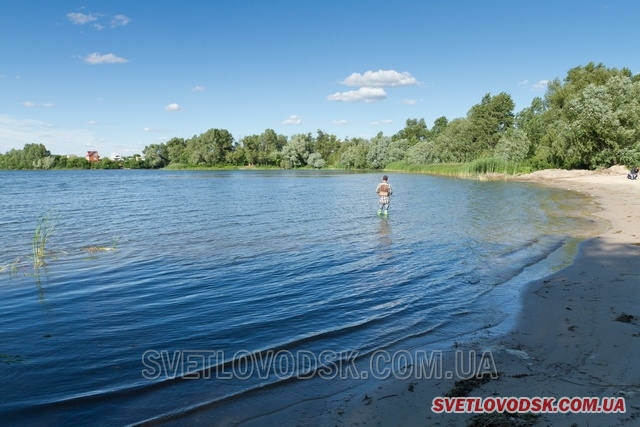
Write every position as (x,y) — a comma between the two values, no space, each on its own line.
(113,247)
(41,236)
(13,267)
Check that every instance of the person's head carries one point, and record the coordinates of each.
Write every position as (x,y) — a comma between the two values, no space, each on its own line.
(385,178)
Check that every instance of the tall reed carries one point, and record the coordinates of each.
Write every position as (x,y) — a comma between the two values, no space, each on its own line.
(41,236)
(474,168)
(496,165)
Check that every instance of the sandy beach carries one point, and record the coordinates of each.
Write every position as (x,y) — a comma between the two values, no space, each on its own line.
(577,335)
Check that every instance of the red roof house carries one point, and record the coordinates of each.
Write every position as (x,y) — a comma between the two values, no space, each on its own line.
(92,156)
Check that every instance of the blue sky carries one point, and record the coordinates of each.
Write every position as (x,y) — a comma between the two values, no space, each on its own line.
(115,76)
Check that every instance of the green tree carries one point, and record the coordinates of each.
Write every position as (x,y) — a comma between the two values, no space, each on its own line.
(133,162)
(414,131)
(397,150)
(76,162)
(513,146)
(354,154)
(315,160)
(326,144)
(489,119)
(156,156)
(590,119)
(222,142)
(271,145)
(578,78)
(211,147)
(377,156)
(13,159)
(295,153)
(603,120)
(534,121)
(33,153)
(424,152)
(31,156)
(105,163)
(251,149)
(175,151)
(455,143)
(263,149)
(45,163)
(439,125)
(60,162)
(237,157)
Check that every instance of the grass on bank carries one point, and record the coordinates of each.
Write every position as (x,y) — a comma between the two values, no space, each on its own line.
(471,169)
(475,168)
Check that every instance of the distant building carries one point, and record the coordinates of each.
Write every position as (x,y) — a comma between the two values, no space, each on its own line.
(92,156)
(116,157)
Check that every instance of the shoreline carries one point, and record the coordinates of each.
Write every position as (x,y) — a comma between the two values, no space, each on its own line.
(576,335)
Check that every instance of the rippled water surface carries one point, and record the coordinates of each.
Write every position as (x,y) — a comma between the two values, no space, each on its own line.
(241,262)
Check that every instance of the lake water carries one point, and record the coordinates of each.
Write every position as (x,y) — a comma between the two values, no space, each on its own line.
(216,283)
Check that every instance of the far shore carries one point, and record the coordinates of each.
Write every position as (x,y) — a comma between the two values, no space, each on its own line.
(577,335)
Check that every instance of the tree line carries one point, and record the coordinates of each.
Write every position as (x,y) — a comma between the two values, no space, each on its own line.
(36,156)
(590,119)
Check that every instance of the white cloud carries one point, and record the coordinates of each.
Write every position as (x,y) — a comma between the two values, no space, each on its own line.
(382,122)
(173,108)
(109,58)
(380,78)
(120,21)
(198,89)
(16,132)
(92,122)
(33,104)
(81,18)
(293,120)
(364,94)
(541,85)
(340,122)
(409,102)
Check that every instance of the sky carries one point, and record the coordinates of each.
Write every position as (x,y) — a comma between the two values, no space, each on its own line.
(116,76)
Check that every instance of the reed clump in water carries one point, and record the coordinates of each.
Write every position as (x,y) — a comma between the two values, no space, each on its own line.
(41,237)
(113,247)
(12,267)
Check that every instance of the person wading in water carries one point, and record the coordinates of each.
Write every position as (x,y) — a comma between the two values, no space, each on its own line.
(384,192)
